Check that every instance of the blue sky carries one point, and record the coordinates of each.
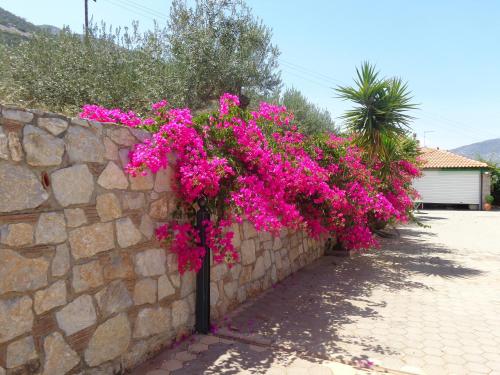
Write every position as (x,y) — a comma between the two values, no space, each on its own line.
(447,50)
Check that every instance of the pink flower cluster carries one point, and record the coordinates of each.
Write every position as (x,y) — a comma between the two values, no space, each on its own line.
(257,167)
(184,242)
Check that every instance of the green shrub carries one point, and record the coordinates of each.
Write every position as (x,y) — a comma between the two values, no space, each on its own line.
(489,199)
(120,68)
(204,52)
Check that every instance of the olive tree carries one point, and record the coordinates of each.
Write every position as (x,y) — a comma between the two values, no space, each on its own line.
(217,46)
(309,117)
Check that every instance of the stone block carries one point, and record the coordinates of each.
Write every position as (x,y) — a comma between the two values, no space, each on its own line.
(121,136)
(141,134)
(176,279)
(159,209)
(16,317)
(249,230)
(53,296)
(214,294)
(73,185)
(110,149)
(114,298)
(180,314)
(79,122)
(246,274)
(16,150)
(123,155)
(277,245)
(259,268)
(20,352)
(77,315)
(4,145)
(218,271)
(60,262)
(145,291)
(110,340)
(165,288)
(50,229)
(247,252)
(92,239)
(141,182)
(20,188)
(87,276)
(235,228)
(113,177)
(163,180)
(59,357)
(152,321)
(108,207)
(126,232)
(133,200)
(42,149)
(118,266)
(75,217)
(147,226)
(150,262)
(267,259)
(188,284)
(83,145)
(241,295)
(21,274)
(17,115)
(53,125)
(230,289)
(17,235)
(235,271)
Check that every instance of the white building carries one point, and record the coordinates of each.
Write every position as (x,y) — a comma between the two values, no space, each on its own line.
(448,178)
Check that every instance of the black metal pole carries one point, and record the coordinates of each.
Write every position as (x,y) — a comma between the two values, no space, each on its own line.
(203,276)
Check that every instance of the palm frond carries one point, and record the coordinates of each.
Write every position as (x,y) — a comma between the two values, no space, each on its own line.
(381,109)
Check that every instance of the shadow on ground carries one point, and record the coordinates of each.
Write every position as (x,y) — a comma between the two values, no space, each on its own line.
(306,311)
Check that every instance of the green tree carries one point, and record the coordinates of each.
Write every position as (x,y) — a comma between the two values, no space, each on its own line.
(220,46)
(381,112)
(309,117)
(494,170)
(115,68)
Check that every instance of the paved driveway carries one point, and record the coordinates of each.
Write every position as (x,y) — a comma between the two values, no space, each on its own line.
(427,302)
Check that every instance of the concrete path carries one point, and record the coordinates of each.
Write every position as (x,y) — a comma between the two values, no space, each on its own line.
(425,303)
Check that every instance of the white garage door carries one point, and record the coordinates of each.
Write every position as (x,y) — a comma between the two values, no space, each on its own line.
(442,186)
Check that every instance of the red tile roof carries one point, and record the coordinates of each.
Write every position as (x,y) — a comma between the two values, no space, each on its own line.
(435,158)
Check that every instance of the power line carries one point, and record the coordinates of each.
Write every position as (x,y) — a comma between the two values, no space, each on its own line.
(307,78)
(305,70)
(455,126)
(145,9)
(133,10)
(151,10)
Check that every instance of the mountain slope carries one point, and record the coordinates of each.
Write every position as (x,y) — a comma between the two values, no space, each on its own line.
(487,150)
(14,29)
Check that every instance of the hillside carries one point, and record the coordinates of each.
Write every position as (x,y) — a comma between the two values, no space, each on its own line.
(487,150)
(14,29)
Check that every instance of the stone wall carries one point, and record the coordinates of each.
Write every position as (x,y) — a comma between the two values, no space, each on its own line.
(84,286)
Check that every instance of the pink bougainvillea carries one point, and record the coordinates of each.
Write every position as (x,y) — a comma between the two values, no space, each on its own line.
(256,166)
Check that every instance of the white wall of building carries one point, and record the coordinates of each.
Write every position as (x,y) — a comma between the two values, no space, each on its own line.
(449,186)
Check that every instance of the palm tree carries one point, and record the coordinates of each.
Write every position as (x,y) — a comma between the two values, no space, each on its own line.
(381,113)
